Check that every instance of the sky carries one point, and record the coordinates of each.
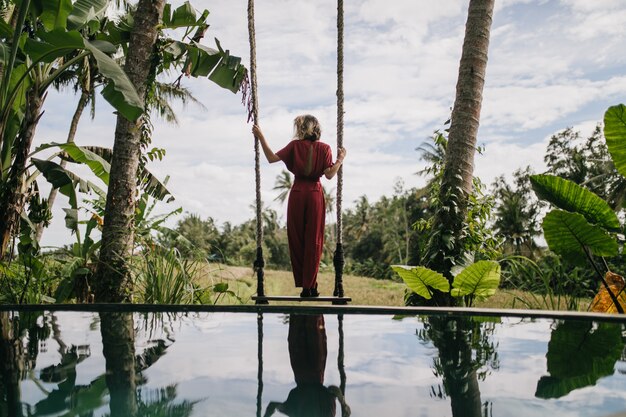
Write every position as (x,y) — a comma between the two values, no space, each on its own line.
(552,64)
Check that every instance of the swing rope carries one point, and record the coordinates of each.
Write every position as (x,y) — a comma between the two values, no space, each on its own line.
(338,259)
(259,393)
(259,263)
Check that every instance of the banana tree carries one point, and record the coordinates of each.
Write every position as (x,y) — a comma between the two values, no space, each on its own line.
(114,282)
(582,227)
(46,41)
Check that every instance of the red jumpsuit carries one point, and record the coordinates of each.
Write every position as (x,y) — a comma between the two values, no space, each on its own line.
(306,208)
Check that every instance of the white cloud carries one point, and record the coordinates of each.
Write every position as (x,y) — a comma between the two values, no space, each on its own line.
(551,65)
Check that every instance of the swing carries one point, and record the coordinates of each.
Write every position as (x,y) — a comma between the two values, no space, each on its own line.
(338,258)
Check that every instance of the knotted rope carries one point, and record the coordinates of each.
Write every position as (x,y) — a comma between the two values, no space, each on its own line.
(338,259)
(259,263)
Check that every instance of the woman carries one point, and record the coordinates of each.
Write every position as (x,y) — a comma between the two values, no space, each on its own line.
(308,159)
(307,354)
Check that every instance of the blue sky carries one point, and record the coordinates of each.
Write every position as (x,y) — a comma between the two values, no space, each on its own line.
(552,64)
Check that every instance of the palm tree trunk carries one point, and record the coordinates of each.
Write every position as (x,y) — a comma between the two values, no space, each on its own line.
(11,366)
(12,197)
(113,277)
(82,103)
(447,242)
(118,348)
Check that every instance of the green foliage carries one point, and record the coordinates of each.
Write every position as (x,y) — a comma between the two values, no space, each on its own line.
(578,355)
(516,213)
(569,196)
(582,225)
(615,132)
(422,280)
(550,283)
(164,277)
(477,281)
(571,236)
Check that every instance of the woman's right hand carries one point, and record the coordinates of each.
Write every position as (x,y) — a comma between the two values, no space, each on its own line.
(341,154)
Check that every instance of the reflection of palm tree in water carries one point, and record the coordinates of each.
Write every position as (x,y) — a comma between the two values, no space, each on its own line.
(307,354)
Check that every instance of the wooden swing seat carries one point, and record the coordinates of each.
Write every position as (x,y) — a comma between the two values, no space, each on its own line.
(296,298)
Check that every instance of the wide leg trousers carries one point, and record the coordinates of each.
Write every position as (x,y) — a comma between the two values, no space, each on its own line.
(305,231)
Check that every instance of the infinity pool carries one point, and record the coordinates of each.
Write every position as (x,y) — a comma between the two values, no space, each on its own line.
(80,363)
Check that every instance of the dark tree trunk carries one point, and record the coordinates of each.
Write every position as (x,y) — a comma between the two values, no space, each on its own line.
(118,348)
(113,281)
(446,244)
(82,103)
(12,196)
(11,366)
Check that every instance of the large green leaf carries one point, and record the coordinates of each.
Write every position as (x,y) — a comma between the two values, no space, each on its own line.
(97,164)
(615,134)
(6,30)
(71,218)
(570,196)
(578,355)
(420,279)
(59,178)
(148,182)
(5,53)
(119,92)
(183,16)
(55,13)
(568,233)
(86,11)
(65,180)
(53,44)
(480,280)
(203,60)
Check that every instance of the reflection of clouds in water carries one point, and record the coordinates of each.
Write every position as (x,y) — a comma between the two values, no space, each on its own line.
(213,359)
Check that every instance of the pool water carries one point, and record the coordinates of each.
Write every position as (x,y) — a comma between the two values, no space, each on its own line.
(64,363)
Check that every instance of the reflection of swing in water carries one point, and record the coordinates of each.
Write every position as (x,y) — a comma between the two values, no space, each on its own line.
(307,354)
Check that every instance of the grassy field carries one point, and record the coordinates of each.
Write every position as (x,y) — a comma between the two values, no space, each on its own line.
(362,290)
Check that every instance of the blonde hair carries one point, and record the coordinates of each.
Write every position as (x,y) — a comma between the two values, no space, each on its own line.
(307,127)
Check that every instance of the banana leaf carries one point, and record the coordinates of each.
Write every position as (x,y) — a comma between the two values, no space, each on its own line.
(85,11)
(55,13)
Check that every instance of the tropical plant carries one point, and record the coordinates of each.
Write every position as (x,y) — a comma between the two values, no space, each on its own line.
(474,282)
(579,354)
(46,41)
(114,281)
(548,283)
(478,243)
(583,226)
(446,248)
(517,213)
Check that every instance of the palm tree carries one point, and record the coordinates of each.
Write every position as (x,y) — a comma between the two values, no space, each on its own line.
(113,276)
(446,244)
(283,184)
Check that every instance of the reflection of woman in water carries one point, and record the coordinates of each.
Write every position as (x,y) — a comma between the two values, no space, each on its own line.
(307,353)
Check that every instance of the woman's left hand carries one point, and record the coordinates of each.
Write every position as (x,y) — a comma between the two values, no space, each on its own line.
(256,131)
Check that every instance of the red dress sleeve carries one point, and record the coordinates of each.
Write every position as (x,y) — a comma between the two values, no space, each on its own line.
(286,155)
(328,158)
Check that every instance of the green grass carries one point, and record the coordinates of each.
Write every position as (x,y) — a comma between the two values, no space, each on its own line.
(363,290)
